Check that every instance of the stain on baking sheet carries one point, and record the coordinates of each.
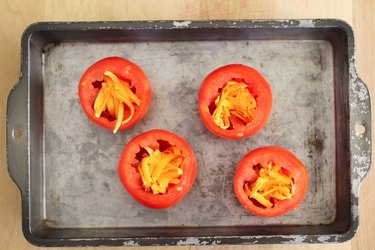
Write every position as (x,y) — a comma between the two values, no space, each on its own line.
(316,141)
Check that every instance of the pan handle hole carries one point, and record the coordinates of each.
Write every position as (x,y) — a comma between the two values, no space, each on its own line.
(17,134)
(359,129)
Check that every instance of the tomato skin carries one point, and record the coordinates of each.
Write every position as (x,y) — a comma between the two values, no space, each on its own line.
(246,173)
(131,178)
(257,86)
(126,71)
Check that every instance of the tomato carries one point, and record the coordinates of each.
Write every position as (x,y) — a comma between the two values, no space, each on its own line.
(235,101)
(270,181)
(114,93)
(157,168)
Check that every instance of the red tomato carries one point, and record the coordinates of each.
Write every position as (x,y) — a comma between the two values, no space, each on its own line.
(130,164)
(259,89)
(129,74)
(248,173)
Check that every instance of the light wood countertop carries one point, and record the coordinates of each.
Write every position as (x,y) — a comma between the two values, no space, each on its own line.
(17,15)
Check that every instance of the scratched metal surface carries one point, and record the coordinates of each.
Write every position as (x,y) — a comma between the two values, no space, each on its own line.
(81,185)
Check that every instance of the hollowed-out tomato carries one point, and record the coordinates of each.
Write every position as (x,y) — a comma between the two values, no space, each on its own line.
(114,93)
(270,181)
(157,168)
(235,101)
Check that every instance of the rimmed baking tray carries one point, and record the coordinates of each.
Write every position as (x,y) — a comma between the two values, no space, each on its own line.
(66,167)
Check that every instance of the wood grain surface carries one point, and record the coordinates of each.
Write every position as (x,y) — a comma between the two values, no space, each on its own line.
(16,15)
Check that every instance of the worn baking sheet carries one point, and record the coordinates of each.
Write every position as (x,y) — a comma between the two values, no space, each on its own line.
(81,188)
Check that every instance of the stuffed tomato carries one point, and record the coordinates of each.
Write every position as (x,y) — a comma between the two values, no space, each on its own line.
(235,101)
(270,181)
(157,168)
(114,93)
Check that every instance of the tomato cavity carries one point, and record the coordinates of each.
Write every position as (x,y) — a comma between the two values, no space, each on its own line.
(159,168)
(273,183)
(234,104)
(116,100)
(97,84)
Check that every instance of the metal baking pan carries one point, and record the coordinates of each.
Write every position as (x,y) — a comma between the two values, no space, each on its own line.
(66,167)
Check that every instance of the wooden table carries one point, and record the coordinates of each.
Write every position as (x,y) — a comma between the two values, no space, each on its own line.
(16,15)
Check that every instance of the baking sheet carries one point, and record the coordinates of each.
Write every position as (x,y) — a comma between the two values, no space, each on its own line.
(81,185)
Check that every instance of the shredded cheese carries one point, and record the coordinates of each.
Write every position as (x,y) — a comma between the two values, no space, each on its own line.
(113,96)
(235,99)
(271,184)
(159,169)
